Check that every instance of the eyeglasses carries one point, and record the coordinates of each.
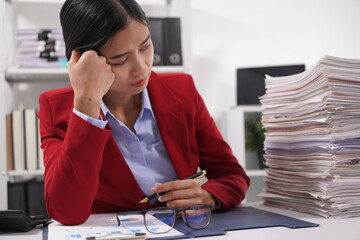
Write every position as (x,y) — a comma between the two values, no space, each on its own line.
(196,217)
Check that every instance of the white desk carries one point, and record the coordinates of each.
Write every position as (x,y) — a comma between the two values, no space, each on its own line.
(329,229)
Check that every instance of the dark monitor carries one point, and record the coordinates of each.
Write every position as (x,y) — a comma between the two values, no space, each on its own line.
(251,84)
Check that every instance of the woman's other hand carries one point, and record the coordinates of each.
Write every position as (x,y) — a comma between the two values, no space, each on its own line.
(183,193)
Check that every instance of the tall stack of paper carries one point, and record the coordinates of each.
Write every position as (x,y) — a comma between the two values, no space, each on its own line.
(40,48)
(312,144)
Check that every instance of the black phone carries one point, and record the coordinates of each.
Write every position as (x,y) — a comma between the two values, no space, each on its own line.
(19,221)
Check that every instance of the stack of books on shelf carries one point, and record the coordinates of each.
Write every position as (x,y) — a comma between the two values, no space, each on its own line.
(24,155)
(312,144)
(40,48)
(23,141)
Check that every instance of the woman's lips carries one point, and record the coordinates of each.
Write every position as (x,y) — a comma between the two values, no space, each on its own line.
(140,83)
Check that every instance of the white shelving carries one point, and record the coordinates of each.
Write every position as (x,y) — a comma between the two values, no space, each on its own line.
(20,87)
(25,14)
(233,129)
(3,111)
(16,74)
(15,176)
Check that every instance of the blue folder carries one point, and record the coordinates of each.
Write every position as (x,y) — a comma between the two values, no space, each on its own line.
(234,219)
(241,218)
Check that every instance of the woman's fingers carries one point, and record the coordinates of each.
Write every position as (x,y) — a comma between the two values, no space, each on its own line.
(183,193)
(75,56)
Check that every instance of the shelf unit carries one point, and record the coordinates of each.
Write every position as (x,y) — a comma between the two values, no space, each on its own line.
(232,126)
(153,8)
(3,110)
(16,176)
(22,86)
(16,74)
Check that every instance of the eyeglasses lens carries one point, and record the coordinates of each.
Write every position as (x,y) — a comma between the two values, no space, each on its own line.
(165,215)
(198,217)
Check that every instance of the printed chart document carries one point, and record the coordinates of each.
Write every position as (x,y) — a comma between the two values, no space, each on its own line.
(105,226)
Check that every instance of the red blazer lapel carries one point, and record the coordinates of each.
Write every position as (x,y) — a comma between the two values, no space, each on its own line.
(170,117)
(114,169)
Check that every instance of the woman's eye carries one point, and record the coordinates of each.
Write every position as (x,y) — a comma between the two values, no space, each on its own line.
(119,63)
(145,48)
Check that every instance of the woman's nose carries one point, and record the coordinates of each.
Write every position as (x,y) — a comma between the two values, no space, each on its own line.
(139,66)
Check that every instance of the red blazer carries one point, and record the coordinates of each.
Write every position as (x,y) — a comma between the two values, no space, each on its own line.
(86,173)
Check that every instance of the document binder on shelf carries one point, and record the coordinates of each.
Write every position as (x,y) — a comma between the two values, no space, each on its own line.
(172,40)
(156,30)
(166,37)
(9,143)
(18,131)
(17,196)
(35,198)
(31,138)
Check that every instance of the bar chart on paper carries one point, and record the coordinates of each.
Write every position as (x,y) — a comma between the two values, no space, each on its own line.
(105,226)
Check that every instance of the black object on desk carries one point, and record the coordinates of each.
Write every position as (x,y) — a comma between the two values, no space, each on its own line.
(19,221)
(241,218)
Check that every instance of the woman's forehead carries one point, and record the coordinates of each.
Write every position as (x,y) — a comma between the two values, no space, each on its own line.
(131,37)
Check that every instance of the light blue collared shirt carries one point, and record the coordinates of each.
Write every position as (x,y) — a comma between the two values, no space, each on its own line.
(144,152)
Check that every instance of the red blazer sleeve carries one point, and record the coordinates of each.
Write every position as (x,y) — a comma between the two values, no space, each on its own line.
(228,181)
(72,157)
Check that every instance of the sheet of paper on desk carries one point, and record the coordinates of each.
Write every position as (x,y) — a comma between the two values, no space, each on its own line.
(106,227)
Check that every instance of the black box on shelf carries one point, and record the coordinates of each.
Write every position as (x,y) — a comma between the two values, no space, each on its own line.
(27,196)
(17,196)
(35,198)
(251,84)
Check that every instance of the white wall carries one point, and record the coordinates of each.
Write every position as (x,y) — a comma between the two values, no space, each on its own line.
(229,34)
(3,177)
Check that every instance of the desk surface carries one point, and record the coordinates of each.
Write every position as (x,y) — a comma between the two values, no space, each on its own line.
(329,229)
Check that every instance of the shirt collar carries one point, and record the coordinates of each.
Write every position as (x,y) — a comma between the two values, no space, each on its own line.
(146,100)
(146,104)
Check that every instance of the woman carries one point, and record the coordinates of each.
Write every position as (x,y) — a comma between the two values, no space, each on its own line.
(122,132)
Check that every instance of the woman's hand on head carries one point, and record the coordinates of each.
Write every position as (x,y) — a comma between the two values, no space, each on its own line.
(183,193)
(91,78)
